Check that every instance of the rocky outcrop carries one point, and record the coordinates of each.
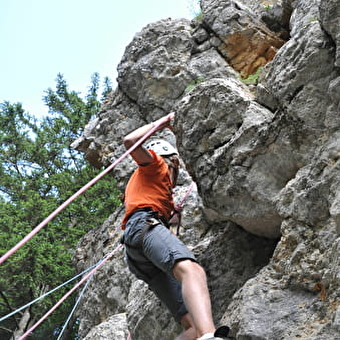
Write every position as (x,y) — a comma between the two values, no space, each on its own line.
(244,41)
(264,217)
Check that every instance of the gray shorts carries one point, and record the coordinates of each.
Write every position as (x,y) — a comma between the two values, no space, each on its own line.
(153,259)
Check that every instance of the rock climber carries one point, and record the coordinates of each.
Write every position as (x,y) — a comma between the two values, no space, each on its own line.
(154,254)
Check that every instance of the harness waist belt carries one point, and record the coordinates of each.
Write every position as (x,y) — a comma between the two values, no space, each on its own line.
(155,213)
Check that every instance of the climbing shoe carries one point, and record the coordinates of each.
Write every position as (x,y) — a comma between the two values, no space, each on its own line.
(221,333)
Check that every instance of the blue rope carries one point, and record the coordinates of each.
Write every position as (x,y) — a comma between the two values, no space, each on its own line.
(48,293)
(74,307)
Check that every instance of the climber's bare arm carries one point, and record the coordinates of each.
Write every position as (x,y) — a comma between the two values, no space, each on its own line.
(140,154)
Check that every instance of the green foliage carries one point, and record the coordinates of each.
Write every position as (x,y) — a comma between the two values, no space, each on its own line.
(193,84)
(252,79)
(39,171)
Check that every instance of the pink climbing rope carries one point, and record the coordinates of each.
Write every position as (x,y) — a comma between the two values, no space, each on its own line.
(179,207)
(81,191)
(70,292)
(181,204)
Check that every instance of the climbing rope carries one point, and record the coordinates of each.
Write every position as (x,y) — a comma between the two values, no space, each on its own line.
(81,295)
(179,208)
(185,197)
(74,308)
(81,191)
(70,292)
(46,294)
(56,288)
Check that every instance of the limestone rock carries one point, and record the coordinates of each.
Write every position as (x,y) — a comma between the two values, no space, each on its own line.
(114,328)
(246,42)
(329,16)
(305,83)
(301,284)
(151,71)
(237,181)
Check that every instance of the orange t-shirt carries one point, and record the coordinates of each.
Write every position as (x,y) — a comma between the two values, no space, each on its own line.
(149,186)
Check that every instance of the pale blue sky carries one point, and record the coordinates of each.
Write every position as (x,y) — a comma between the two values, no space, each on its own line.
(41,38)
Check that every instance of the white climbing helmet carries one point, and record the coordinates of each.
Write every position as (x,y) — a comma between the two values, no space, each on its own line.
(161,147)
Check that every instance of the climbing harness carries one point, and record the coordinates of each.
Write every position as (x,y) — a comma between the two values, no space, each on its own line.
(152,220)
(155,218)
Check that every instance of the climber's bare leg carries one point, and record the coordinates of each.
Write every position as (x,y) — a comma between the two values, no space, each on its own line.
(196,295)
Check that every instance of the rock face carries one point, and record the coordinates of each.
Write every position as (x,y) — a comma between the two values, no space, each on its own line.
(264,216)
